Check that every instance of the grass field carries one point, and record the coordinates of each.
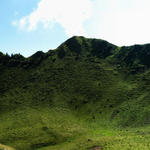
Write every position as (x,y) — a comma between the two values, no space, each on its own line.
(55,129)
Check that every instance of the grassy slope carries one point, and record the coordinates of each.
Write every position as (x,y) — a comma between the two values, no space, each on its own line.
(76,97)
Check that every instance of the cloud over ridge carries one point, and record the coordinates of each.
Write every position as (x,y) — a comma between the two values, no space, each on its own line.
(120,22)
(70,14)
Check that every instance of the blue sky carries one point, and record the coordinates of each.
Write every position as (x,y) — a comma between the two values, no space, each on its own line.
(27,26)
(14,40)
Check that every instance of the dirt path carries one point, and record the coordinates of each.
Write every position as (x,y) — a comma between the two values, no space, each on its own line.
(4,147)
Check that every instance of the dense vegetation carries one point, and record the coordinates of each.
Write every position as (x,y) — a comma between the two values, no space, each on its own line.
(86,93)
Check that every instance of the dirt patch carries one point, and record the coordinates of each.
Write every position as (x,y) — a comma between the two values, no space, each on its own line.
(4,147)
(96,148)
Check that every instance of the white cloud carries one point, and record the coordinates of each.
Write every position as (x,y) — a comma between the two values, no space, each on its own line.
(71,14)
(122,22)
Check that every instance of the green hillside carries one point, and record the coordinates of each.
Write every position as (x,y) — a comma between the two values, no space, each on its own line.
(87,94)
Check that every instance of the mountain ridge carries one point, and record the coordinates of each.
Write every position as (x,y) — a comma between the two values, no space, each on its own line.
(131,55)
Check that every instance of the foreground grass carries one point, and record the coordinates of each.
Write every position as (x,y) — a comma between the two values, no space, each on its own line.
(55,129)
(107,139)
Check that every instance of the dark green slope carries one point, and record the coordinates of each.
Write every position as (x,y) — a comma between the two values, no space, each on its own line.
(44,99)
